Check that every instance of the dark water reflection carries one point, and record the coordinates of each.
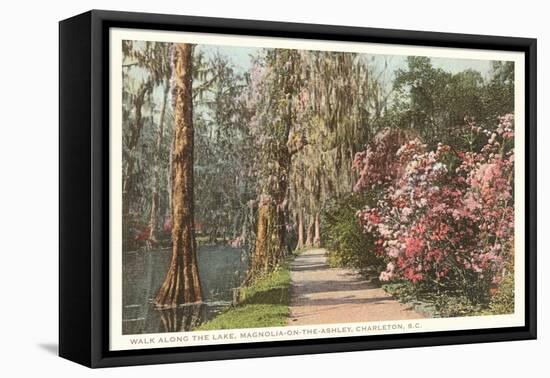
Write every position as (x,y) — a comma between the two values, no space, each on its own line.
(221,269)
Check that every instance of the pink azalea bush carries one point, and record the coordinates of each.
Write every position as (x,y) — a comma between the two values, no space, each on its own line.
(444,218)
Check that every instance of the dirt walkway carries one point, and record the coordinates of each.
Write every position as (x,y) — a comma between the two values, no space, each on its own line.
(320,295)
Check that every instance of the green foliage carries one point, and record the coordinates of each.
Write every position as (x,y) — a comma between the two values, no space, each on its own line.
(458,302)
(440,304)
(262,304)
(503,300)
(499,91)
(435,102)
(347,244)
(449,305)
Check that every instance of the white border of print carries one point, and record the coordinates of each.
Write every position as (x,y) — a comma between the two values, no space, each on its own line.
(118,341)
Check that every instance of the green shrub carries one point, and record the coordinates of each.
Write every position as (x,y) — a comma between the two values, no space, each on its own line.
(348,246)
(454,303)
(438,304)
(503,300)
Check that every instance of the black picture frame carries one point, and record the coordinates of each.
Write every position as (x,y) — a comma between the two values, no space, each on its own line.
(84,187)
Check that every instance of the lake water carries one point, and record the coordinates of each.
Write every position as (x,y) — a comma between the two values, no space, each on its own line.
(221,269)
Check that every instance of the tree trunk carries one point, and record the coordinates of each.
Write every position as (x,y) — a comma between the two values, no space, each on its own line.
(270,248)
(154,216)
(309,237)
(317,237)
(300,225)
(182,284)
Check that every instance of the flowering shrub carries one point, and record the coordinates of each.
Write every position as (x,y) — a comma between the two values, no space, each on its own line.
(377,165)
(445,218)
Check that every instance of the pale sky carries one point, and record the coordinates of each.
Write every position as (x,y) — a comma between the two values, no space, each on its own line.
(240,56)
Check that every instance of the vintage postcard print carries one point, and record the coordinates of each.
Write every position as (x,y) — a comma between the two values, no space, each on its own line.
(266,189)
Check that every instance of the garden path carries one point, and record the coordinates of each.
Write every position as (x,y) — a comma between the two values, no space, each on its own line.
(323,295)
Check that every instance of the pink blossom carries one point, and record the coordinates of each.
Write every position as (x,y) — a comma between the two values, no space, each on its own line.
(429,222)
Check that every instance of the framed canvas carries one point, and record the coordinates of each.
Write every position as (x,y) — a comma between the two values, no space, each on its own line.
(234,188)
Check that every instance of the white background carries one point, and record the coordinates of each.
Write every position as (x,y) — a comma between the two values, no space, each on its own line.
(29,186)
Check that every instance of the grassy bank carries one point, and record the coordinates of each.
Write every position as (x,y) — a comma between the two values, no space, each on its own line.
(263,304)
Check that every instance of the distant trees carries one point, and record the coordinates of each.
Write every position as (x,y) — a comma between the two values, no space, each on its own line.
(225,183)
(499,90)
(150,61)
(146,68)
(435,102)
(137,100)
(161,68)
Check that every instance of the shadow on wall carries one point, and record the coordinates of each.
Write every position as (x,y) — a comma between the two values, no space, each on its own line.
(52,348)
